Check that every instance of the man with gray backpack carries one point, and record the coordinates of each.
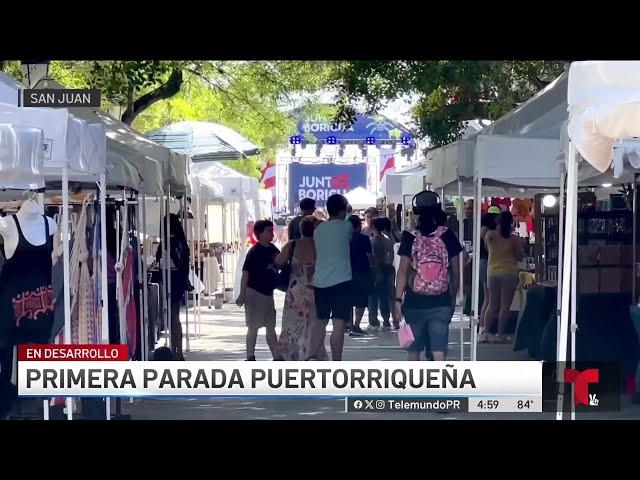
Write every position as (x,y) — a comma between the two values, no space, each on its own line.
(428,278)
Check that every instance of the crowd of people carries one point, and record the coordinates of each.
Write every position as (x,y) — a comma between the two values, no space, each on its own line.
(342,265)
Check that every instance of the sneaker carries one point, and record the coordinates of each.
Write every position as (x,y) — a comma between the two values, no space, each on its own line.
(386,326)
(357,332)
(484,338)
(279,358)
(251,359)
(374,327)
(396,325)
(500,339)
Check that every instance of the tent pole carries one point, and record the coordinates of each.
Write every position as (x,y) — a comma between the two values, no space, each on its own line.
(183,203)
(634,293)
(168,267)
(104,282)
(162,265)
(66,265)
(461,264)
(560,276)
(142,204)
(574,292)
(569,278)
(475,278)
(198,253)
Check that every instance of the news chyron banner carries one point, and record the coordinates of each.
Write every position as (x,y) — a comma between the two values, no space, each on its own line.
(103,371)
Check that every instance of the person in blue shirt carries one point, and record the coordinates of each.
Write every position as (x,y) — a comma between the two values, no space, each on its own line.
(361,273)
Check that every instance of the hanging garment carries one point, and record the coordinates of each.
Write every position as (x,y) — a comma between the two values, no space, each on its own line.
(96,281)
(131,311)
(124,273)
(26,293)
(58,282)
(80,281)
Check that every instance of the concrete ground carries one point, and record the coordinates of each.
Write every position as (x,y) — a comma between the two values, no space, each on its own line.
(222,337)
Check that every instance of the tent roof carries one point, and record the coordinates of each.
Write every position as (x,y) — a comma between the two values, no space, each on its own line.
(173,176)
(540,117)
(604,102)
(361,198)
(205,141)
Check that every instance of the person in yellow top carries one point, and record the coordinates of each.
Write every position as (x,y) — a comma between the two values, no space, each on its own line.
(505,251)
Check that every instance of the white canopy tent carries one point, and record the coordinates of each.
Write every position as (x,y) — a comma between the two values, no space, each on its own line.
(85,144)
(604,108)
(243,191)
(360,198)
(391,185)
(69,148)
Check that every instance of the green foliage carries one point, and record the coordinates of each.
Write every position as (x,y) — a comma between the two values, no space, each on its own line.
(449,93)
(247,96)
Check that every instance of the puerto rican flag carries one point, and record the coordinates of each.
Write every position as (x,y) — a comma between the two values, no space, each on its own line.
(387,162)
(268,179)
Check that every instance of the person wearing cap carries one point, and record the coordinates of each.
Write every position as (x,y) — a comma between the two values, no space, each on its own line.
(427,311)
(487,223)
(307,207)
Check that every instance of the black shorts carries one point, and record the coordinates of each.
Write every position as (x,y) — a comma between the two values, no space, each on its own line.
(361,288)
(334,302)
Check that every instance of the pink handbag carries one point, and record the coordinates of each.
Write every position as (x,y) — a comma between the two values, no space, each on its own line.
(405,335)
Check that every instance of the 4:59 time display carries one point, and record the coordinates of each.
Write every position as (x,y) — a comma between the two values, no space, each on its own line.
(488,404)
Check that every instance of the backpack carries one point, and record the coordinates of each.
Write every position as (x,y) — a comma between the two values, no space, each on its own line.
(430,261)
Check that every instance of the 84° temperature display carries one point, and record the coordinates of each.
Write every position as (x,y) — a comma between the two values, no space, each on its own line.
(505,404)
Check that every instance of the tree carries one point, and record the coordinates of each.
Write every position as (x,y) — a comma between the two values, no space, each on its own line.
(448,93)
(246,96)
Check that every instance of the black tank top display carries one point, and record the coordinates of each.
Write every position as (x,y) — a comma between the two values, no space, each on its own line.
(26,293)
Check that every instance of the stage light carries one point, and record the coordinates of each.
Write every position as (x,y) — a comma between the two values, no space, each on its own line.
(318,149)
(295,140)
(607,185)
(293,150)
(341,150)
(549,201)
(371,140)
(394,144)
(332,141)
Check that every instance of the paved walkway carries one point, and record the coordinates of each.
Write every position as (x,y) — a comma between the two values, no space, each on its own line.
(222,337)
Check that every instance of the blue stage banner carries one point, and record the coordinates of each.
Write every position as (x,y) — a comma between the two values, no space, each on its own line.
(377,126)
(321,181)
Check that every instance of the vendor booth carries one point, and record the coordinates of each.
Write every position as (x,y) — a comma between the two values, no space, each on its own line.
(604,108)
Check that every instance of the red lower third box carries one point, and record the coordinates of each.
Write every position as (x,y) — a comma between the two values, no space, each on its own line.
(79,353)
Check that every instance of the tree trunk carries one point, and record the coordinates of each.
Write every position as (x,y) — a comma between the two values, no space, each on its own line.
(163,92)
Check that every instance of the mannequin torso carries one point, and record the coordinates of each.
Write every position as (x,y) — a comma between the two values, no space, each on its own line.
(31,224)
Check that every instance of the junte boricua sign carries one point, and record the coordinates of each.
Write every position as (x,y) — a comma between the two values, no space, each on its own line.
(377,126)
(61,97)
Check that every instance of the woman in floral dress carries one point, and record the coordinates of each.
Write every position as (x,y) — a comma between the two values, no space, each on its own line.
(299,305)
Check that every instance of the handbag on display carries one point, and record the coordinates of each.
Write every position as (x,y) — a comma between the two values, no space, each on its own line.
(284,276)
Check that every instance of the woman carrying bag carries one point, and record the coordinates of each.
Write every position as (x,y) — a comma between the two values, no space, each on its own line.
(299,258)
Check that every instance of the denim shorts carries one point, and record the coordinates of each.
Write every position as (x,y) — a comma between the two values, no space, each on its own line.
(430,328)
